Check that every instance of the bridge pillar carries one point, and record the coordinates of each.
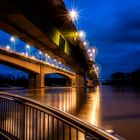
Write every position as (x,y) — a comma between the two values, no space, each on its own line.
(37,80)
(40,78)
(78,81)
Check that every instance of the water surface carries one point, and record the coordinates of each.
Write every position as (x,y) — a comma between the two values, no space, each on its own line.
(116,108)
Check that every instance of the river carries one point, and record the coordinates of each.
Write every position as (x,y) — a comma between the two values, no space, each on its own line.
(108,107)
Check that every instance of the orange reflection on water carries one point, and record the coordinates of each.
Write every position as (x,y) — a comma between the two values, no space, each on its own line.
(84,104)
(90,107)
(67,100)
(95,108)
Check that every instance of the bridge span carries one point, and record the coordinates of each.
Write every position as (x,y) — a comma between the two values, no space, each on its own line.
(37,69)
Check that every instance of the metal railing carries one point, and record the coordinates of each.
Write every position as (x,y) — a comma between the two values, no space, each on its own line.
(33,59)
(27,119)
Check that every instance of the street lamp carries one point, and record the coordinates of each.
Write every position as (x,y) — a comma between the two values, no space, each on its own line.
(85,43)
(28,49)
(59,64)
(7,47)
(40,55)
(89,50)
(13,39)
(48,59)
(82,34)
(55,62)
(98,68)
(92,52)
(74,15)
(40,52)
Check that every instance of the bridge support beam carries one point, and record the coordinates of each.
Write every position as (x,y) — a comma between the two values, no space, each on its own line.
(37,80)
(40,78)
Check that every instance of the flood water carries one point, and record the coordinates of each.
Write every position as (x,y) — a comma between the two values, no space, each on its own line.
(108,107)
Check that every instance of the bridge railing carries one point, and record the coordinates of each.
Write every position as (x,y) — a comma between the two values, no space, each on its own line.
(27,119)
(36,60)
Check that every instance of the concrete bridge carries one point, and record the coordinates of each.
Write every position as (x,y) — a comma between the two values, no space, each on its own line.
(45,25)
(37,69)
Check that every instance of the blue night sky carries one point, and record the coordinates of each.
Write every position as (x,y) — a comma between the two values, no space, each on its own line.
(113,26)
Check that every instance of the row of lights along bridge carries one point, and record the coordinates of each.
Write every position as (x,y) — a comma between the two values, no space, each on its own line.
(91,51)
(39,55)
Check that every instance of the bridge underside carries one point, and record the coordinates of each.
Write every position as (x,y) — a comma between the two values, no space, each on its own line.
(40,24)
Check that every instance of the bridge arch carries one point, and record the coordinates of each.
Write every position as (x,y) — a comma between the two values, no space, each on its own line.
(57,79)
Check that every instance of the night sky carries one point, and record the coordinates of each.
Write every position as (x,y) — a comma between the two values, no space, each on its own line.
(113,26)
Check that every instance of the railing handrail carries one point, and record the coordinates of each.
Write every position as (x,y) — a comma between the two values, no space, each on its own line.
(72,119)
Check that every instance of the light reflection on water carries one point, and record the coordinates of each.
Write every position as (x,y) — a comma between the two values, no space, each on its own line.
(81,102)
(104,106)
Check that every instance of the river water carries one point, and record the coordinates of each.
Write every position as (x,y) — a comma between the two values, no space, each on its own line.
(109,107)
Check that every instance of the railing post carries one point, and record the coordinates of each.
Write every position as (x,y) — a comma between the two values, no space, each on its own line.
(22,118)
(22,123)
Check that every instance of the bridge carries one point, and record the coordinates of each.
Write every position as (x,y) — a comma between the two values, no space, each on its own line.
(36,68)
(44,24)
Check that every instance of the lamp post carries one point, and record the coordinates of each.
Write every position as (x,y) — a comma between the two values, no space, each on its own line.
(92,53)
(59,64)
(46,55)
(28,49)
(40,54)
(12,39)
(82,34)
(48,58)
(55,62)
(85,43)
(98,69)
